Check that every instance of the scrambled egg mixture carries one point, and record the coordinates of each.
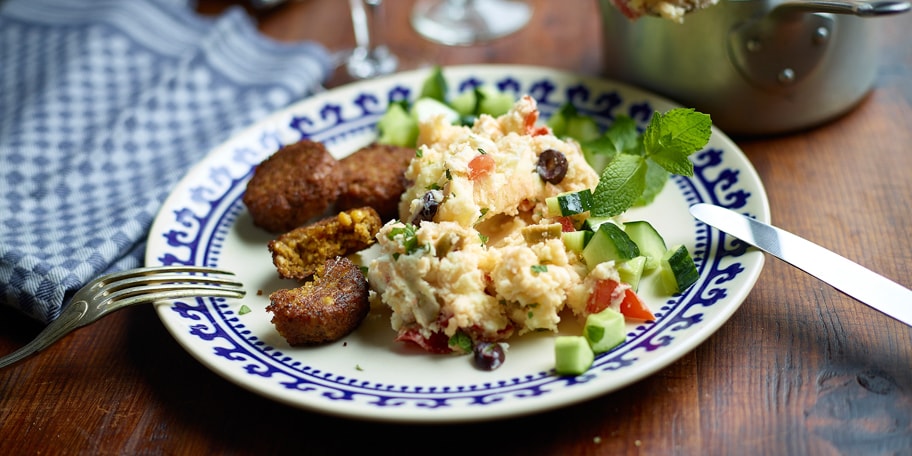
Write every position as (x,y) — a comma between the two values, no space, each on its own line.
(474,250)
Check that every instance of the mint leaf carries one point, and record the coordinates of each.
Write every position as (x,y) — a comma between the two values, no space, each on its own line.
(620,184)
(670,138)
(656,176)
(625,136)
(599,152)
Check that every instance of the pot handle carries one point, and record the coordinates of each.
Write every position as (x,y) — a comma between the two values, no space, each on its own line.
(851,7)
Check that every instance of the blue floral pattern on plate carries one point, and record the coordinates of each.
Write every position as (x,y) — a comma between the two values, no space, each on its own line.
(367,375)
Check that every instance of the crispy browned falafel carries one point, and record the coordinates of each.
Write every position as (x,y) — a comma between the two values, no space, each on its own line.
(375,176)
(298,253)
(297,183)
(325,309)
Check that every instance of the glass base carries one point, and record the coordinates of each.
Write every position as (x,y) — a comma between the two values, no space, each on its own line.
(465,22)
(365,64)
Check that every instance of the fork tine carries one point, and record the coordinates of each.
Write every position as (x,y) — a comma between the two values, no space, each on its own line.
(146,280)
(158,283)
(151,292)
(157,270)
(175,292)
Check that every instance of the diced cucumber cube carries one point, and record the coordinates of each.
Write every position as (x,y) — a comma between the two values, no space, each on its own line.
(569,203)
(648,240)
(583,128)
(464,103)
(609,243)
(677,270)
(572,355)
(425,108)
(567,121)
(495,103)
(575,241)
(592,223)
(605,330)
(397,127)
(631,271)
(482,100)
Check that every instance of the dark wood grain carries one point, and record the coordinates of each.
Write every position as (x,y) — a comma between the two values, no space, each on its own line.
(798,369)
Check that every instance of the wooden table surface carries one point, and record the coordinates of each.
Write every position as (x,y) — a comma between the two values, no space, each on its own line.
(798,369)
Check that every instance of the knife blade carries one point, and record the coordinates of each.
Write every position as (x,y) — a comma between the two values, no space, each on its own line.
(839,272)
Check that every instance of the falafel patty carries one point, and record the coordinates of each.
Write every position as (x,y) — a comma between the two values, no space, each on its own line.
(325,309)
(298,182)
(298,253)
(375,176)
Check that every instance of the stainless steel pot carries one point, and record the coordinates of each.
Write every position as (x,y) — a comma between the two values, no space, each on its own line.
(756,66)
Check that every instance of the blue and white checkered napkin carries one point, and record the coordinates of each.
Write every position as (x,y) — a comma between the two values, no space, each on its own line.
(104,105)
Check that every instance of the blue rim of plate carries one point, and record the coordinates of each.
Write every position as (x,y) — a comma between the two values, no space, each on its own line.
(198,217)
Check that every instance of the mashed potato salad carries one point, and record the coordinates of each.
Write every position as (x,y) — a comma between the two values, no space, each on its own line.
(475,250)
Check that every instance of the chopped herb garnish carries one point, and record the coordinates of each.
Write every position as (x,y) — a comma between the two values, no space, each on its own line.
(446,173)
(244,310)
(482,151)
(484,239)
(462,341)
(409,240)
(419,153)
(537,268)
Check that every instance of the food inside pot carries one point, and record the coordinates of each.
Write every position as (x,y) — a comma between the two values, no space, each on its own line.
(673,10)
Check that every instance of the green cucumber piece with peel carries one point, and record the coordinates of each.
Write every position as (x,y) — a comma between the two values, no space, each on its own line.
(605,330)
(592,223)
(575,241)
(609,243)
(572,355)
(569,203)
(677,270)
(648,240)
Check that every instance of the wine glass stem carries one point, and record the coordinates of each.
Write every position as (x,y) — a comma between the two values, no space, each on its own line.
(370,56)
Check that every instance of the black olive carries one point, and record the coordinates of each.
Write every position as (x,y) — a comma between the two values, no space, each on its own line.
(552,166)
(429,205)
(488,356)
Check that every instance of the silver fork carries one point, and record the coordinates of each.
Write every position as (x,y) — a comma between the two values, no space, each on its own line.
(121,289)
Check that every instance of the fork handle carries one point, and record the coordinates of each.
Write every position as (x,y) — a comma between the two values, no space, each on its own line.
(69,319)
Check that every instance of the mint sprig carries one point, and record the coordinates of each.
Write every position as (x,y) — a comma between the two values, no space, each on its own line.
(670,138)
(668,142)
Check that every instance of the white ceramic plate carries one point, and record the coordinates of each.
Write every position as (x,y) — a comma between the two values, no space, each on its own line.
(367,375)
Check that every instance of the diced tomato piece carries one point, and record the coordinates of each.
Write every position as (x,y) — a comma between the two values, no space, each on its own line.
(437,343)
(603,294)
(634,307)
(531,128)
(480,166)
(566,224)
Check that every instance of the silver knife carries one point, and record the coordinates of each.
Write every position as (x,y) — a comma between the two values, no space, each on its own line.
(841,273)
